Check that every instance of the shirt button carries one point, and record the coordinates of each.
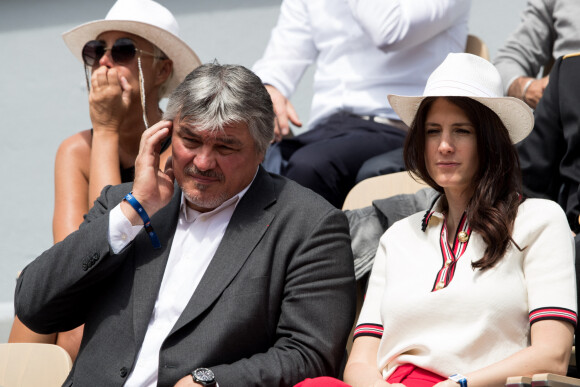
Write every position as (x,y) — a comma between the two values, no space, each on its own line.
(123,372)
(124,236)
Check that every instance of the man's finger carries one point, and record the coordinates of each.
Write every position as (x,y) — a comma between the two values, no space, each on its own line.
(282,120)
(277,133)
(292,115)
(152,137)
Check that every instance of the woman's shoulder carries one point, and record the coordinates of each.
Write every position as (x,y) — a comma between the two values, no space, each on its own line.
(539,209)
(79,144)
(73,154)
(536,215)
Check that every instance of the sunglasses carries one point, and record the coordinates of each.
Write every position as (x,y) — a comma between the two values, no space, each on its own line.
(122,52)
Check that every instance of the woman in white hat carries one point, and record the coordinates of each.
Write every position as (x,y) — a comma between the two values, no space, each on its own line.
(134,57)
(481,286)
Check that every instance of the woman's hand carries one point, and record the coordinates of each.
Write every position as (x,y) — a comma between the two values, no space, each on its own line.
(361,369)
(109,99)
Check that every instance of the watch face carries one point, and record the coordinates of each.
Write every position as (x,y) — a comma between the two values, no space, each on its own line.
(203,375)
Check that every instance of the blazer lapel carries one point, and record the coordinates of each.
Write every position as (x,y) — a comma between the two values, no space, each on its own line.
(150,264)
(247,226)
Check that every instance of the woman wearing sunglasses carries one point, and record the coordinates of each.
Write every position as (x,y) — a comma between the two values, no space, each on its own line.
(132,59)
(481,286)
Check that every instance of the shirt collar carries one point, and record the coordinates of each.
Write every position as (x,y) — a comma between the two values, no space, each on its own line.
(190,215)
(434,210)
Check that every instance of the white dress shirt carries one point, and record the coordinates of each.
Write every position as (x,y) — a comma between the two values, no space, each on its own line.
(363,50)
(196,240)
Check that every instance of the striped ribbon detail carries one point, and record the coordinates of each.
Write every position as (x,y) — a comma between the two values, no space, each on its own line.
(373,330)
(426,219)
(451,254)
(553,313)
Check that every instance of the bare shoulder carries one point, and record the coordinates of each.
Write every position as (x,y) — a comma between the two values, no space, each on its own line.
(75,151)
(79,144)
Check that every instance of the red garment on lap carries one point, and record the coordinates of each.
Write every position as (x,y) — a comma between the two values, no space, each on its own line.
(413,376)
(323,381)
(407,374)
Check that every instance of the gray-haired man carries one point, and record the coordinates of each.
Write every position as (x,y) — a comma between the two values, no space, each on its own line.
(239,274)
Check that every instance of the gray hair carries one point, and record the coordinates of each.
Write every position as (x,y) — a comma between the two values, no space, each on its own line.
(214,96)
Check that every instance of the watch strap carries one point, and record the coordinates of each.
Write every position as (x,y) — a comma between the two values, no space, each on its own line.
(459,379)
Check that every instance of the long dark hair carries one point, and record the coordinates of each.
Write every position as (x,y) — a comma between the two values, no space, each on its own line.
(497,184)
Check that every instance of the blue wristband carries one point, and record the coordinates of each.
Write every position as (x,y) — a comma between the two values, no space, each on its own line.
(146,221)
(459,379)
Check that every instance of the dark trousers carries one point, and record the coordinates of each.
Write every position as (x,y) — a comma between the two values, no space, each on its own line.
(383,164)
(327,158)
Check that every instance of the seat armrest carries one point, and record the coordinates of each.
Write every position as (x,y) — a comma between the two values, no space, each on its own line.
(518,381)
(554,380)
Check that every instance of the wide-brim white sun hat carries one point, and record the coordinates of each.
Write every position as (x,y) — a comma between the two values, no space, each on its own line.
(144,18)
(467,75)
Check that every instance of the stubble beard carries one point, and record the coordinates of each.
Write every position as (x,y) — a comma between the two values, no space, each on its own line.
(197,198)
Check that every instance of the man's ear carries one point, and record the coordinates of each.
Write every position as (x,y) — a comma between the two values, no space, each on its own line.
(164,69)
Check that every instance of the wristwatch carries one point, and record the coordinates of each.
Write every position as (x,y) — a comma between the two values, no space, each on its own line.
(204,376)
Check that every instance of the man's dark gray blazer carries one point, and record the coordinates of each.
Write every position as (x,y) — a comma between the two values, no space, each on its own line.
(275,305)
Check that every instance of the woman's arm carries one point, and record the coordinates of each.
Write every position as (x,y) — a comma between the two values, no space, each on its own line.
(71,174)
(549,352)
(71,341)
(21,334)
(361,368)
(109,101)
(105,164)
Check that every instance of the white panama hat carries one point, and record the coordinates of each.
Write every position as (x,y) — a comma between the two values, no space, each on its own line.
(467,75)
(144,18)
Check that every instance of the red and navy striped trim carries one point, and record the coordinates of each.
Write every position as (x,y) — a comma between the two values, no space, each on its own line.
(373,330)
(451,254)
(553,313)
(428,214)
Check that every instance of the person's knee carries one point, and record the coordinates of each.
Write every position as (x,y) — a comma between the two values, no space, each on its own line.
(321,175)
(308,166)
(389,162)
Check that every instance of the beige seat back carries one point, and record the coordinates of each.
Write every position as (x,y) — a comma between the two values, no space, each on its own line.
(476,46)
(33,365)
(380,187)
